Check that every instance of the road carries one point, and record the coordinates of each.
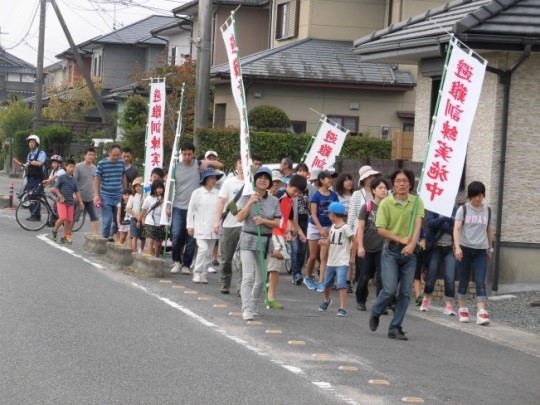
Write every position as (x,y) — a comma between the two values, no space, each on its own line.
(76,329)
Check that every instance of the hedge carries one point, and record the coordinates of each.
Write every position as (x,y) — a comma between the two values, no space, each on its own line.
(272,147)
(55,139)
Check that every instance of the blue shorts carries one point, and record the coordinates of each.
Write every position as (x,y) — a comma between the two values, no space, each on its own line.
(336,271)
(134,231)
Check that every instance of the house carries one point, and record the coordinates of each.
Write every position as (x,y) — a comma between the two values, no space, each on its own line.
(300,60)
(179,34)
(504,143)
(17,77)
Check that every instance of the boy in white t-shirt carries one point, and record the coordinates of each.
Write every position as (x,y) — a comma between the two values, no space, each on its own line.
(339,241)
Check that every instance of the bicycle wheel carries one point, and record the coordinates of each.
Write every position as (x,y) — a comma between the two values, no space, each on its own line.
(79,216)
(33,218)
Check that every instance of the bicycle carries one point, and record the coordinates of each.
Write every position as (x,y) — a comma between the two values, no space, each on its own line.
(35,204)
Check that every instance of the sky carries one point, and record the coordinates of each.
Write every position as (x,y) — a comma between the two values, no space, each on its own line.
(85,19)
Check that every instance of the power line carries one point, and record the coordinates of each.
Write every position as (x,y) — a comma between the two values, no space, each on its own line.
(24,38)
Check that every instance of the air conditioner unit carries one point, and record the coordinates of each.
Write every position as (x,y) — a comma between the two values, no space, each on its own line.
(385,131)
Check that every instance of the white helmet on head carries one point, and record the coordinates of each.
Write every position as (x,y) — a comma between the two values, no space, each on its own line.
(33,137)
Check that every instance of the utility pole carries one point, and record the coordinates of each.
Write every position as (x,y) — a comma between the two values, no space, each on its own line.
(202,98)
(82,67)
(41,51)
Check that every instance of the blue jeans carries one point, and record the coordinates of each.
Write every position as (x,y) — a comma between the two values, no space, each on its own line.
(298,256)
(108,215)
(370,266)
(437,255)
(336,272)
(180,238)
(478,258)
(396,271)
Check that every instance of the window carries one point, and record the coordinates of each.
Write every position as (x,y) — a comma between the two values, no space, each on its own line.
(299,127)
(287,19)
(96,66)
(408,127)
(219,115)
(172,56)
(347,122)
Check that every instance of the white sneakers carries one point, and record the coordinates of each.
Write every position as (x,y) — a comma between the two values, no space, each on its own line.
(482,317)
(449,310)
(426,302)
(176,267)
(463,315)
(211,270)
(185,270)
(247,316)
(196,278)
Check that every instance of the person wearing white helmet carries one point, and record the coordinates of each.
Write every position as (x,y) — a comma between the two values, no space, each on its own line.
(56,170)
(34,172)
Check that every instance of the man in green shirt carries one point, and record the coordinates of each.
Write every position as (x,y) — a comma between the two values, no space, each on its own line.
(399,219)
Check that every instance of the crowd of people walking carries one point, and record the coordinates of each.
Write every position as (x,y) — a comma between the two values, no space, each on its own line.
(321,230)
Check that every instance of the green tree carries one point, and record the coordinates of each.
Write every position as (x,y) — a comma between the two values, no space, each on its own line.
(133,122)
(15,116)
(268,117)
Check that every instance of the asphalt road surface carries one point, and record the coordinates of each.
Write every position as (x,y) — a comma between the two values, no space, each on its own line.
(77,329)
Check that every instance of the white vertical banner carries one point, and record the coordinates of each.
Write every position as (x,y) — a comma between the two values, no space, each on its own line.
(447,149)
(326,145)
(154,131)
(239,95)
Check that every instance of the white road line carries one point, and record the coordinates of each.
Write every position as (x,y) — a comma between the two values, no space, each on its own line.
(295,370)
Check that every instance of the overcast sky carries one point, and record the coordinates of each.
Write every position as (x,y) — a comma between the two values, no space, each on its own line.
(19,22)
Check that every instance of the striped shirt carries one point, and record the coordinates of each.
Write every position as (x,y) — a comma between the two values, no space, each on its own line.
(267,207)
(111,174)
(66,186)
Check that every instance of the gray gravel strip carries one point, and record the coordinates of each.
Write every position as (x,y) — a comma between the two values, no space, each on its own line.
(513,309)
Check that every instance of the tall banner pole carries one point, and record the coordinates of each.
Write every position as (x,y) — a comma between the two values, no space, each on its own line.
(237,86)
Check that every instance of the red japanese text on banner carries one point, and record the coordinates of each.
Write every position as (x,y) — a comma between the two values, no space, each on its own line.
(326,146)
(154,131)
(229,37)
(448,144)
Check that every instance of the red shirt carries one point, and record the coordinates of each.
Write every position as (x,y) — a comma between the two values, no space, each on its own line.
(287,213)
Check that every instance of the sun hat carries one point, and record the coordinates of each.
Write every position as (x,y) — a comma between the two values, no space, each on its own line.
(138,180)
(208,172)
(366,171)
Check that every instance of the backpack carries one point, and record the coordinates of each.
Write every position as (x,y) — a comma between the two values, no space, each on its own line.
(465,213)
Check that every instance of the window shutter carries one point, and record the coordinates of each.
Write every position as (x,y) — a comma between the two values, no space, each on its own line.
(293,19)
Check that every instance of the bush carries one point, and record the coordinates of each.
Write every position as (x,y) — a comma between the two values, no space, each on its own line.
(268,117)
(272,147)
(55,139)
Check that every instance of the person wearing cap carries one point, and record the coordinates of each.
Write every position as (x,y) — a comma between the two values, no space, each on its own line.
(56,170)
(186,176)
(200,221)
(319,227)
(34,172)
(259,213)
(399,219)
(133,208)
(339,252)
(276,183)
(85,172)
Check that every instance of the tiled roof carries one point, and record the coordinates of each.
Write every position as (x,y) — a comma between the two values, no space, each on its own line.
(317,60)
(490,24)
(11,64)
(192,6)
(136,33)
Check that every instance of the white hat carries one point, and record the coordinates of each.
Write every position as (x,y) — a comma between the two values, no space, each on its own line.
(276,175)
(210,152)
(366,171)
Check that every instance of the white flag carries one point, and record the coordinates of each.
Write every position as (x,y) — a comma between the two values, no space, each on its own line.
(451,129)
(326,145)
(154,132)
